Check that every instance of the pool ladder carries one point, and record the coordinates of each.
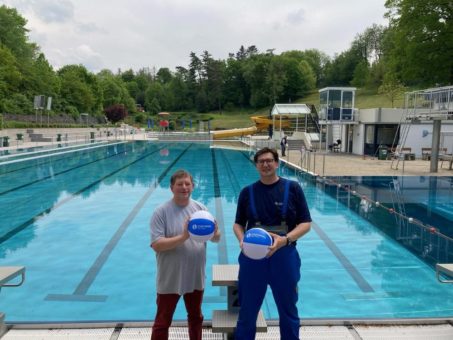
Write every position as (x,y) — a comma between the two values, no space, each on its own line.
(399,209)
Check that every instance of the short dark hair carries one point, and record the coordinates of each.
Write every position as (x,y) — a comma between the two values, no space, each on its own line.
(180,174)
(263,151)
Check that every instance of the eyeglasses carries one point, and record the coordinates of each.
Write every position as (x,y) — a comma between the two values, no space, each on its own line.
(267,161)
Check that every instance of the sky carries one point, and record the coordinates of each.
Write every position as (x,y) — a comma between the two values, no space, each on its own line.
(132,34)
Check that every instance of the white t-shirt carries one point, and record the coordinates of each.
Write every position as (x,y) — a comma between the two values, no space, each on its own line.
(180,270)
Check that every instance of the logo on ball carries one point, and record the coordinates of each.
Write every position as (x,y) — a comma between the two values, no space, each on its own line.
(256,243)
(201,226)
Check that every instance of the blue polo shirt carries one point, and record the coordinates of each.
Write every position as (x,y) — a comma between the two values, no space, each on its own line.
(269,202)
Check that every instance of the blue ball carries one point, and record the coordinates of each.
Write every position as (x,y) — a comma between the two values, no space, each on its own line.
(201,226)
(256,243)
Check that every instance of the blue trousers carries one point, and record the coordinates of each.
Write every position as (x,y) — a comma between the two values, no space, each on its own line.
(282,273)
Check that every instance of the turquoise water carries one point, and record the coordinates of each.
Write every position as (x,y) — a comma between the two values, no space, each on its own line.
(79,223)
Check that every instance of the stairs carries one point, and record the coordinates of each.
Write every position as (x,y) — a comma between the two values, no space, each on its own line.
(37,137)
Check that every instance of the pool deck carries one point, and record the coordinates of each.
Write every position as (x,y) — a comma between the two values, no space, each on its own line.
(351,332)
(331,164)
(341,164)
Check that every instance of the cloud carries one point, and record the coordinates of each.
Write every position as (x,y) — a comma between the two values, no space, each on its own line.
(296,17)
(54,10)
(162,33)
(47,11)
(82,54)
(89,27)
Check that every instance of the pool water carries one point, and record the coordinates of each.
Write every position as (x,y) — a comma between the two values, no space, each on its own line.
(79,222)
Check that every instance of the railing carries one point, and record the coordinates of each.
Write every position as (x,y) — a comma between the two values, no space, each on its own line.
(421,238)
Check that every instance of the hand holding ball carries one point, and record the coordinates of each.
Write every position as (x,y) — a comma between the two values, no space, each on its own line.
(201,226)
(256,243)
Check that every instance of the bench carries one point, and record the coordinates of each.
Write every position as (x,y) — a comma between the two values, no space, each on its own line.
(426,153)
(403,153)
(445,269)
(6,275)
(446,158)
(224,321)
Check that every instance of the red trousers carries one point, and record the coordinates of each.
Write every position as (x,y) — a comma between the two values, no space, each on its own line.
(166,305)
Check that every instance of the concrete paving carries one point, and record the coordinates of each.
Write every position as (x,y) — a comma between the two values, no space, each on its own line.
(340,164)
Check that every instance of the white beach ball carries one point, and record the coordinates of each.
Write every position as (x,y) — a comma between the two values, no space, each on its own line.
(201,226)
(256,243)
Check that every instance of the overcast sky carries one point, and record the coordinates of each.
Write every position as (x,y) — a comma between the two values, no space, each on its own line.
(133,34)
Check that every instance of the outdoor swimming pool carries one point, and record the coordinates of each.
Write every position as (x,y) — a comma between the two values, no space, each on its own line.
(79,223)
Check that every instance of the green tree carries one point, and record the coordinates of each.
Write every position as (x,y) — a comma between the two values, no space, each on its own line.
(255,72)
(10,76)
(164,75)
(114,91)
(155,92)
(275,79)
(421,52)
(80,89)
(17,104)
(154,106)
(361,74)
(315,58)
(40,78)
(14,35)
(391,88)
(213,72)
(235,90)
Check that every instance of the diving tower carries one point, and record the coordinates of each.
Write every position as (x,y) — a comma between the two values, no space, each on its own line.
(336,115)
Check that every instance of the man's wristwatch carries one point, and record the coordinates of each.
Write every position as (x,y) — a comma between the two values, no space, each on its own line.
(288,240)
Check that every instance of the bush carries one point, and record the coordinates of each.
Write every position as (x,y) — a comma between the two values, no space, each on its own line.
(17,104)
(140,118)
(73,112)
(116,113)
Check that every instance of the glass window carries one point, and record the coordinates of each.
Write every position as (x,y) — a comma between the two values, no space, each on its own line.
(369,134)
(347,99)
(323,98)
(334,98)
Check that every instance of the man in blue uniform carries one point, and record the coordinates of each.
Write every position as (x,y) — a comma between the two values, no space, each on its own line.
(279,206)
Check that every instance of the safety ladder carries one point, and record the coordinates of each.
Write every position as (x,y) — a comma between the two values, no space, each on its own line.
(403,130)
(399,209)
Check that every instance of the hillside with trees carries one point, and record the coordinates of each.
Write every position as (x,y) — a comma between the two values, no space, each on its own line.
(415,50)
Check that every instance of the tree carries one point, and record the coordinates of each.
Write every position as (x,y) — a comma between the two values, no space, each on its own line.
(114,91)
(164,75)
(315,58)
(13,34)
(275,79)
(340,71)
(361,74)
(154,106)
(421,52)
(154,91)
(80,89)
(391,88)
(10,76)
(116,113)
(213,80)
(369,43)
(236,92)
(255,71)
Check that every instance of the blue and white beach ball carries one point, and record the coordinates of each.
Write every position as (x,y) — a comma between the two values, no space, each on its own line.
(201,226)
(256,243)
